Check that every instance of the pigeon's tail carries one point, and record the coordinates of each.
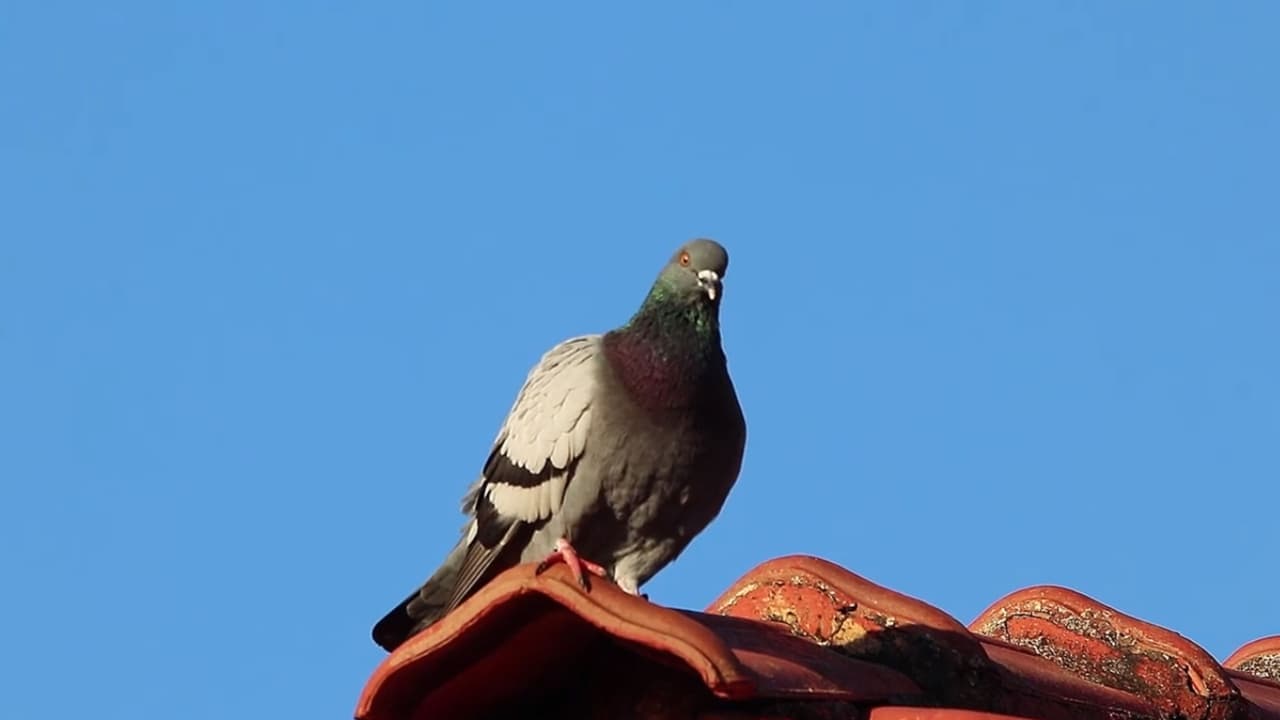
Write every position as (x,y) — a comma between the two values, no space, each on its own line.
(422,608)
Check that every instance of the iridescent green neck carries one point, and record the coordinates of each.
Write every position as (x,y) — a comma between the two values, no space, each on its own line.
(669,349)
(663,310)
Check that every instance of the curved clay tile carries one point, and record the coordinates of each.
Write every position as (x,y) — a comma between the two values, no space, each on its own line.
(828,605)
(894,712)
(1260,658)
(799,637)
(539,638)
(1105,646)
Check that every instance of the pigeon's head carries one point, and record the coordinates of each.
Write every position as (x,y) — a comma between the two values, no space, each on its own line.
(696,271)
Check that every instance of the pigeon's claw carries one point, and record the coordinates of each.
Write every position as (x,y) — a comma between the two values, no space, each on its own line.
(565,553)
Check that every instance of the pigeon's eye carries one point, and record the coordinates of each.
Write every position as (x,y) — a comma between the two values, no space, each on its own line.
(684,258)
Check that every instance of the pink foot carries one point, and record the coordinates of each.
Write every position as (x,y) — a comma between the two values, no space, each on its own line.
(565,552)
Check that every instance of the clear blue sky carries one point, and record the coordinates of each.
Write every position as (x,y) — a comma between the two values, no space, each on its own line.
(1002,308)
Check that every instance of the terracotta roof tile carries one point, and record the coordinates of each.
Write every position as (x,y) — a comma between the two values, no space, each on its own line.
(1260,658)
(799,637)
(1105,646)
(829,605)
(524,633)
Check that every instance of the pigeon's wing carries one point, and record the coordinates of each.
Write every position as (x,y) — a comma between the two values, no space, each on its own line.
(532,461)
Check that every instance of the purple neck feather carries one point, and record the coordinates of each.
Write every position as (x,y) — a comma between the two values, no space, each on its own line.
(668,354)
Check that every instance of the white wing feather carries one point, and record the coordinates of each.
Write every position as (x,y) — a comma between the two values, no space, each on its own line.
(549,423)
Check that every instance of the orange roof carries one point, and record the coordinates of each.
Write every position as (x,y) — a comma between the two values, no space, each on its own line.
(799,637)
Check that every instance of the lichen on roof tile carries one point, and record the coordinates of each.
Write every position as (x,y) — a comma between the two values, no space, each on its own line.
(1103,645)
(1260,658)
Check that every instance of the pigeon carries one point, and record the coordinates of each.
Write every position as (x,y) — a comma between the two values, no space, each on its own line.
(619,449)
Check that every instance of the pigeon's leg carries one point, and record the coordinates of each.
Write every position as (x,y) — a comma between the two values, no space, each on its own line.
(565,552)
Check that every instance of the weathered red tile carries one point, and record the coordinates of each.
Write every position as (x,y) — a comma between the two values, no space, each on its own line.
(828,605)
(785,666)
(892,712)
(1034,687)
(1260,658)
(1262,695)
(527,638)
(800,638)
(1105,646)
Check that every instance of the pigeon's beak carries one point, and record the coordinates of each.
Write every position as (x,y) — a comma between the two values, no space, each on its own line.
(709,281)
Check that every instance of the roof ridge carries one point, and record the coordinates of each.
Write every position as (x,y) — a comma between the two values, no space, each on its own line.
(800,630)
